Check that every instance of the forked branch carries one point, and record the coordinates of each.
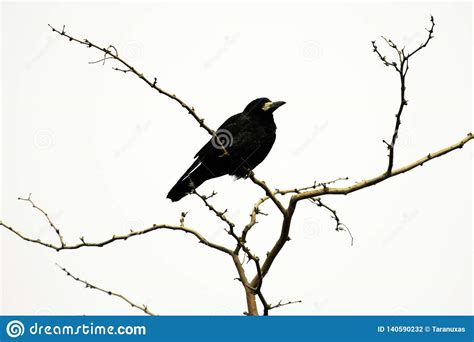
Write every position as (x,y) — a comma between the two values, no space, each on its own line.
(401,68)
(313,192)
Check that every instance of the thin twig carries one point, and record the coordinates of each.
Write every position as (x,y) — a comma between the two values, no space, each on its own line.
(430,36)
(268,192)
(143,307)
(56,230)
(111,52)
(402,70)
(339,225)
(115,238)
(315,185)
(181,219)
(253,221)
(280,304)
(219,214)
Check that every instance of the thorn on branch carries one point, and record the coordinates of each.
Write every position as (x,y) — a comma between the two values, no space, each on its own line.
(181,219)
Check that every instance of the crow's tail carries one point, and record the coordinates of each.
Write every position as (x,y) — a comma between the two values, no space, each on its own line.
(187,184)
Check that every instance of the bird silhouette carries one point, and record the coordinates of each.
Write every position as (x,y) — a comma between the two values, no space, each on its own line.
(239,145)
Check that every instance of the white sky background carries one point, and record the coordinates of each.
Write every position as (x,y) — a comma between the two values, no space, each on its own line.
(99,150)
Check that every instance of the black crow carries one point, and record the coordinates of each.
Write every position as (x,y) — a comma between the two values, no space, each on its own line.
(247,138)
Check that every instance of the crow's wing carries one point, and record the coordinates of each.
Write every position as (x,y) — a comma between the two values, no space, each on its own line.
(231,125)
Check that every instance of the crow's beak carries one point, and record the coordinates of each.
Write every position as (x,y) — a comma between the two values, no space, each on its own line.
(271,106)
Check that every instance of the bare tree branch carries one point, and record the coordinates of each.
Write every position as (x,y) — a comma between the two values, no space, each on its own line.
(115,238)
(285,228)
(56,230)
(339,225)
(384,176)
(253,221)
(310,187)
(143,307)
(430,36)
(312,193)
(219,214)
(257,288)
(268,192)
(256,208)
(249,293)
(111,53)
(280,304)
(402,71)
